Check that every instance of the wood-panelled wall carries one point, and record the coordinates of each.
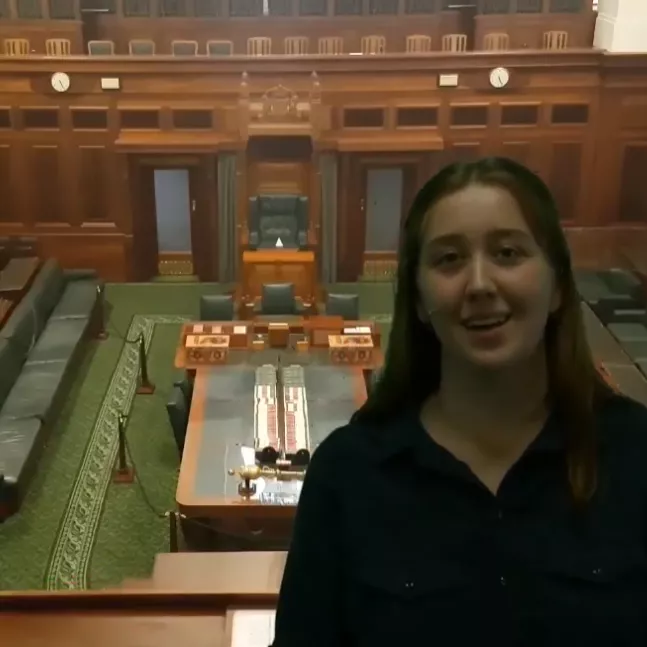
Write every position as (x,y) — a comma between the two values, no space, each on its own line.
(66,160)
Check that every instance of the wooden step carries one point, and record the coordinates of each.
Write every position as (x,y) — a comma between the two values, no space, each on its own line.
(137,583)
(240,573)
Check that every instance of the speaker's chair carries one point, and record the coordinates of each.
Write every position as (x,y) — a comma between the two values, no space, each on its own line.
(274,217)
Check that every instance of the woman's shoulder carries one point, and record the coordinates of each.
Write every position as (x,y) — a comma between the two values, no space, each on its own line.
(361,441)
(619,405)
(622,420)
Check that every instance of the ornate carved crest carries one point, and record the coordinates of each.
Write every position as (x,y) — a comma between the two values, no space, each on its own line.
(280,103)
(278,109)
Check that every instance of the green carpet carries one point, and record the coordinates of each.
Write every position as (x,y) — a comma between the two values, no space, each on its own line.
(77,529)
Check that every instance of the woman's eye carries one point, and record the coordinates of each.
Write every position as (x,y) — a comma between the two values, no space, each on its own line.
(508,254)
(447,258)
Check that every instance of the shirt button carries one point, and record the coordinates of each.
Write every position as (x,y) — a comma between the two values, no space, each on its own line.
(500,514)
(503,581)
(408,585)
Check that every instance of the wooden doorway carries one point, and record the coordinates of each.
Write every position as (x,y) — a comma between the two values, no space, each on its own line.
(352,254)
(174,216)
(388,189)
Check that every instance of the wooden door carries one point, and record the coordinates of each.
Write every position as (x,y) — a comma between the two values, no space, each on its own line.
(180,192)
(144,251)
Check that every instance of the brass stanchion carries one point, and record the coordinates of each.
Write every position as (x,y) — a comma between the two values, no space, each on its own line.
(100,313)
(146,387)
(172,532)
(123,473)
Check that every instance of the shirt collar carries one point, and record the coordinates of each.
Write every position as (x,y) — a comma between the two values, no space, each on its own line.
(404,433)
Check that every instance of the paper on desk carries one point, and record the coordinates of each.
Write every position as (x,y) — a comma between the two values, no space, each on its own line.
(252,628)
(355,330)
(248,455)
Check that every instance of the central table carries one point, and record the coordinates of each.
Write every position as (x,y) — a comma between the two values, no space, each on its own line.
(221,438)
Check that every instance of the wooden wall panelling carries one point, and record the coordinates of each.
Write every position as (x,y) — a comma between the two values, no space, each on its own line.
(7,213)
(94,184)
(22,184)
(107,252)
(349,217)
(210,187)
(622,140)
(435,161)
(278,177)
(201,233)
(47,193)
(144,224)
(463,150)
(241,202)
(633,184)
(565,178)
(607,163)
(616,120)
(519,151)
(204,219)
(410,186)
(314,222)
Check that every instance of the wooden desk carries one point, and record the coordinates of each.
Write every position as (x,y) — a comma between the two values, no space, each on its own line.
(316,329)
(17,276)
(124,618)
(279,266)
(241,573)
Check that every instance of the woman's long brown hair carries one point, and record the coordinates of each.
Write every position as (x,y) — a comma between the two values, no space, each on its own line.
(412,367)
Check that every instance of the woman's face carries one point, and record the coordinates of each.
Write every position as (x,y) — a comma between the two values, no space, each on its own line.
(484,283)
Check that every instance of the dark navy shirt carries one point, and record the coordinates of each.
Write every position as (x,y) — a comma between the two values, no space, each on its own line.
(397,543)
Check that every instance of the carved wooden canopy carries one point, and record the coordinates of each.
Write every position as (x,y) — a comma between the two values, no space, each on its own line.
(279,110)
(280,104)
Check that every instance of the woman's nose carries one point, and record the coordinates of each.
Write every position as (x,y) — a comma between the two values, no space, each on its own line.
(479,276)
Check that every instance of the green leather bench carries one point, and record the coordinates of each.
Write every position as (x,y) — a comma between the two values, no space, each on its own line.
(39,346)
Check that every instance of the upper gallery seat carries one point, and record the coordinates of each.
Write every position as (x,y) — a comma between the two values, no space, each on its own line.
(274,217)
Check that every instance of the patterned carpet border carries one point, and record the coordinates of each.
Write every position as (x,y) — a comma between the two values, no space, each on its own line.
(69,563)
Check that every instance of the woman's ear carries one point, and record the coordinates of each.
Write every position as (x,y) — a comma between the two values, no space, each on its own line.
(555,300)
(424,314)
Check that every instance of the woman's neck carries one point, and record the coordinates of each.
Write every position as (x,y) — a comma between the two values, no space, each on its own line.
(471,398)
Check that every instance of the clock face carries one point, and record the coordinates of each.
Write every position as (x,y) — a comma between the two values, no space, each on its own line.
(499,77)
(60,82)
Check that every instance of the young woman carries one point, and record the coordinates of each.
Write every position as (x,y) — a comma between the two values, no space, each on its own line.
(493,489)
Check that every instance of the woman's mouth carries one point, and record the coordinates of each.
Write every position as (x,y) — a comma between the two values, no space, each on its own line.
(485,324)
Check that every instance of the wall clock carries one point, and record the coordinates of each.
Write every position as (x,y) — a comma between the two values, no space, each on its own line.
(60,82)
(499,77)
